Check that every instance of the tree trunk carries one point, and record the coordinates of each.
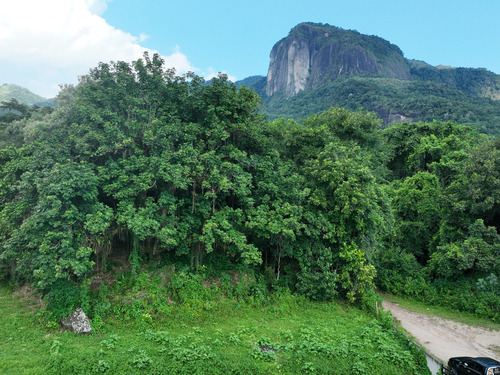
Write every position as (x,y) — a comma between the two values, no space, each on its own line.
(197,256)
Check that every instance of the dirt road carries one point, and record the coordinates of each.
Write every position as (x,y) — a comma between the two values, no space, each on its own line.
(445,338)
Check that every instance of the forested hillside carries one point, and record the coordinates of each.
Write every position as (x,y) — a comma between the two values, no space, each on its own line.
(318,66)
(137,167)
(394,101)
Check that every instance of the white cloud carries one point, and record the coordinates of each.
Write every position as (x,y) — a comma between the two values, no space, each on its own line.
(180,61)
(46,43)
(212,73)
(97,6)
(143,37)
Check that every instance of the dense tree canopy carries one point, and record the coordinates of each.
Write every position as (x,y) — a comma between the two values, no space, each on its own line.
(444,197)
(138,161)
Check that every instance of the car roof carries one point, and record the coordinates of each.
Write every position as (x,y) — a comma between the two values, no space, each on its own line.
(487,361)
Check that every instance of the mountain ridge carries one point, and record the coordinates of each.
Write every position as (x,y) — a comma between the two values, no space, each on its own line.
(320,53)
(313,54)
(310,72)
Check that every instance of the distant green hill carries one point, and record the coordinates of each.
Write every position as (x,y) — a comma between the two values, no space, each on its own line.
(21,94)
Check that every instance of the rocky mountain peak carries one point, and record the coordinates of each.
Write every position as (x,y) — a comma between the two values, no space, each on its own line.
(313,54)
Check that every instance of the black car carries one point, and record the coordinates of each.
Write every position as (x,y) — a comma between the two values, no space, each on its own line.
(474,366)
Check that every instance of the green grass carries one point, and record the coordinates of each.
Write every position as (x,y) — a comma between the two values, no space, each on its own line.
(24,343)
(289,336)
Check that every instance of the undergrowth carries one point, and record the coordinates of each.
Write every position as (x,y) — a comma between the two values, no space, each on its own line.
(166,321)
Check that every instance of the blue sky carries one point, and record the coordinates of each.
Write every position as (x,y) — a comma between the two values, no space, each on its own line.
(237,36)
(47,43)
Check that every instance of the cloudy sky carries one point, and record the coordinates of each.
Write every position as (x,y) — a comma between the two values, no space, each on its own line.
(44,43)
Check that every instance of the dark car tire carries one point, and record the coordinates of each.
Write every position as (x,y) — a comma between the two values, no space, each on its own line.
(453,371)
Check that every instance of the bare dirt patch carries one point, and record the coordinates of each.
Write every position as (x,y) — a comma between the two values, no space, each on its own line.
(444,338)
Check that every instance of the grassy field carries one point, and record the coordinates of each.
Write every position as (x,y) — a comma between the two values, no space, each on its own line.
(289,336)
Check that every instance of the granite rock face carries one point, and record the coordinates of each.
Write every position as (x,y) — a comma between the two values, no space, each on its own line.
(314,54)
(77,322)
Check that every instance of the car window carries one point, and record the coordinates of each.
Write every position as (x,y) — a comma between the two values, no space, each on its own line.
(470,364)
(477,367)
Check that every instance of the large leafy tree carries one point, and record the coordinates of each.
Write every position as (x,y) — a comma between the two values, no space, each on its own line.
(171,155)
(469,239)
(444,192)
(137,151)
(346,212)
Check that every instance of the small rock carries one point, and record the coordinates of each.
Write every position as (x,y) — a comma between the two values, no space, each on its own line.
(265,348)
(77,322)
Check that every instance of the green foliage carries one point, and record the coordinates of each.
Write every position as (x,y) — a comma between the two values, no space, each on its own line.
(338,207)
(417,203)
(393,100)
(138,152)
(151,169)
(479,251)
(12,114)
(63,298)
(318,279)
(153,165)
(326,338)
(489,283)
(444,198)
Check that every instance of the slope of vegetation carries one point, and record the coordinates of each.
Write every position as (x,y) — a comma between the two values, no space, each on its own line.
(393,100)
(284,334)
(476,82)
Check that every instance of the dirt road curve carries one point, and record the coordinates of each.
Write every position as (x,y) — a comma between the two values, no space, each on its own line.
(445,338)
